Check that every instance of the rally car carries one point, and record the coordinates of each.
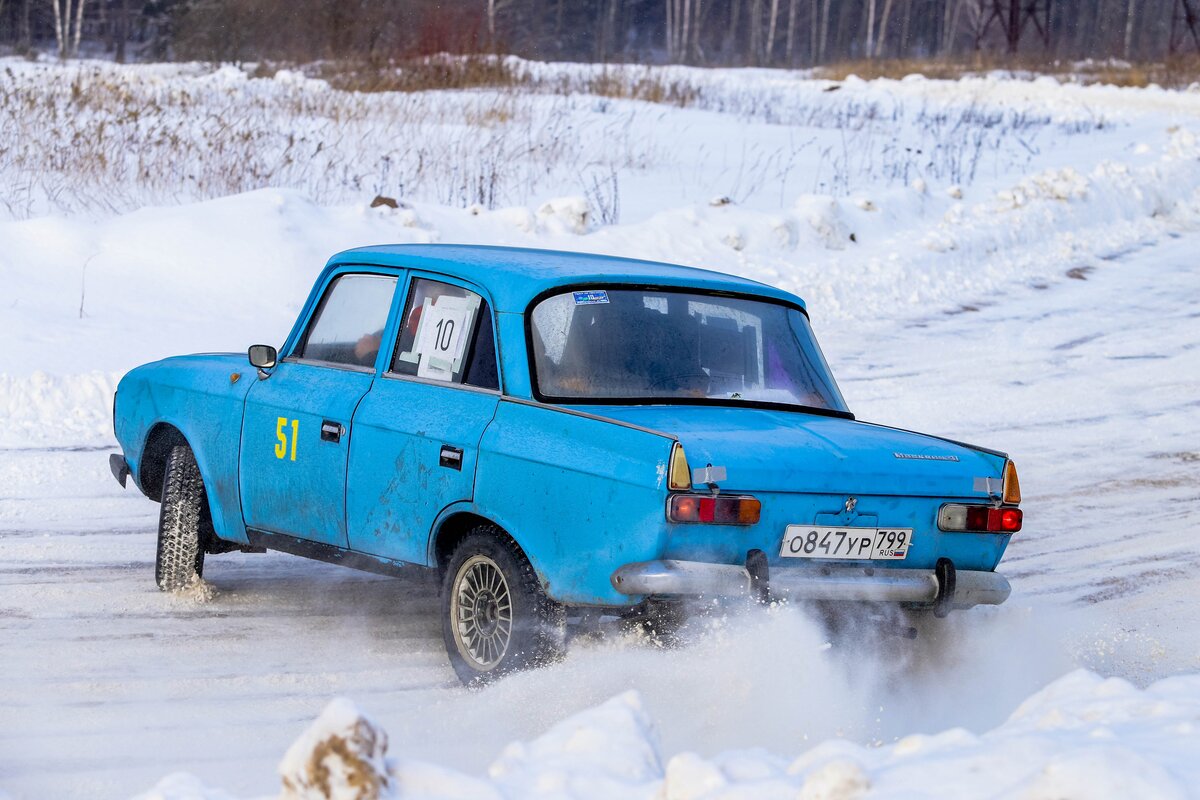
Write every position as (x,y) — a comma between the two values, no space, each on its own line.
(557,433)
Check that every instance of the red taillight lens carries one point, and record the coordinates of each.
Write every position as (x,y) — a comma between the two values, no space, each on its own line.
(1007,520)
(714,510)
(988,519)
(977,518)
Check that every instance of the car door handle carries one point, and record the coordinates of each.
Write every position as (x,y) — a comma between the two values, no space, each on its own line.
(451,457)
(331,431)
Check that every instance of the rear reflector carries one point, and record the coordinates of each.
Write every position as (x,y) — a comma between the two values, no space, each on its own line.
(724,509)
(980,518)
(680,475)
(1012,485)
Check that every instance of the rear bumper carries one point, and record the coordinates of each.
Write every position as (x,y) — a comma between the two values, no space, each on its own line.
(959,589)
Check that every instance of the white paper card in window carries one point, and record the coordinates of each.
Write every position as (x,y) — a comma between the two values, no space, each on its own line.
(442,338)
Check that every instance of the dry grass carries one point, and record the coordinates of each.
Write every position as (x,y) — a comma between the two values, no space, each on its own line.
(462,132)
(434,73)
(456,73)
(106,139)
(1178,72)
(649,86)
(676,86)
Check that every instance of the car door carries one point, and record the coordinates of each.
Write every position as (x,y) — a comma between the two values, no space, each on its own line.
(417,432)
(296,428)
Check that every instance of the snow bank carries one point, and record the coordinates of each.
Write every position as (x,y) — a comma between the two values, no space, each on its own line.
(609,751)
(41,409)
(182,786)
(1082,736)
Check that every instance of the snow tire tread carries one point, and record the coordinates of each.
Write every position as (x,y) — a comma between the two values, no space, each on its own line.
(180,555)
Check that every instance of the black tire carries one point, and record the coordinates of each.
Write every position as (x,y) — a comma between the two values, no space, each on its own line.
(485,568)
(180,555)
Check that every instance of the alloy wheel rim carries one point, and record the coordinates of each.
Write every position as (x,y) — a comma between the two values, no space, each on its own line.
(481,613)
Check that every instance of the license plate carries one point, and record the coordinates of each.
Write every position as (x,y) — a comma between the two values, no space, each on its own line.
(815,541)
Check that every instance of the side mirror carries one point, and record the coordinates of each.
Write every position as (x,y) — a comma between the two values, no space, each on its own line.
(262,356)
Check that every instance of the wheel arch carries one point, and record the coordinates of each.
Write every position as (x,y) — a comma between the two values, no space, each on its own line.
(152,469)
(456,525)
(153,464)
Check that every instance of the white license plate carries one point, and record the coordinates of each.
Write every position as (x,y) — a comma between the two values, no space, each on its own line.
(815,541)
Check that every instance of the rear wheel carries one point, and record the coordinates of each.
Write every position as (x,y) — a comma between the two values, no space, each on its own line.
(180,556)
(495,617)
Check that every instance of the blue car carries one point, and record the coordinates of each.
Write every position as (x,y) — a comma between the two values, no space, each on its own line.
(557,434)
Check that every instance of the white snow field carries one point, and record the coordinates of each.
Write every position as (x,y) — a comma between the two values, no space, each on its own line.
(1045,302)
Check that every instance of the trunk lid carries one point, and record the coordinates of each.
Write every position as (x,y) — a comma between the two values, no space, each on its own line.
(768,450)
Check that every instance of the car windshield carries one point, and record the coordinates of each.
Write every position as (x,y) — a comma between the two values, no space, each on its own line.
(616,344)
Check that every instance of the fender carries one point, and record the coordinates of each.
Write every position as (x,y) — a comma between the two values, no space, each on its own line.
(201,398)
(579,493)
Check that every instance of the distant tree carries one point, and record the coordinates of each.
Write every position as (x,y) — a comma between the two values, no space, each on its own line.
(793,33)
(68,26)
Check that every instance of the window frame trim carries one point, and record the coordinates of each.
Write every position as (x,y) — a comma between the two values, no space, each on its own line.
(316,362)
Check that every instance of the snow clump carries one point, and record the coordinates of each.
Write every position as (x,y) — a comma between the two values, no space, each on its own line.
(566,215)
(341,756)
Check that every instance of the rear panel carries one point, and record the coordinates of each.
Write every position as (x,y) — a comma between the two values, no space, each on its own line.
(728,544)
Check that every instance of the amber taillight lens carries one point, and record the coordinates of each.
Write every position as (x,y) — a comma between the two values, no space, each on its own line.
(678,472)
(1012,486)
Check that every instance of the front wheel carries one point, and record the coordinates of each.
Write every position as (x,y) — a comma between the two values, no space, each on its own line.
(180,556)
(495,617)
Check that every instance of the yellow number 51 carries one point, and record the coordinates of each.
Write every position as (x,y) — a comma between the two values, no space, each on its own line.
(281,448)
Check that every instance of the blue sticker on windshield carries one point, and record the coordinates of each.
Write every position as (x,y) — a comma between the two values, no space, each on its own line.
(591,297)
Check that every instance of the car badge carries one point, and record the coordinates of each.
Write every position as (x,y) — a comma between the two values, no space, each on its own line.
(851,502)
(925,457)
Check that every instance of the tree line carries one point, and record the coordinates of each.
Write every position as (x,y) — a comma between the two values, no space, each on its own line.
(774,33)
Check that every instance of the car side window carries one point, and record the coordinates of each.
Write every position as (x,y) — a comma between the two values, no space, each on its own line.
(446,335)
(348,325)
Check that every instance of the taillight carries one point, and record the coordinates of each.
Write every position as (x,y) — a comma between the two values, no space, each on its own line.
(989,519)
(1010,519)
(722,509)
(679,475)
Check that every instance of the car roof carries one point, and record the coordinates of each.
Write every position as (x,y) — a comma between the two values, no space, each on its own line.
(514,276)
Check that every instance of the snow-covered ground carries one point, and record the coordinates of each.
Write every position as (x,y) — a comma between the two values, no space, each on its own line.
(1049,306)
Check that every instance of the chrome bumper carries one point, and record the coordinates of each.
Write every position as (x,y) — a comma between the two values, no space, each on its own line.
(964,589)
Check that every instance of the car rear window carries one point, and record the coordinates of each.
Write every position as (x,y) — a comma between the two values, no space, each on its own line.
(624,344)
